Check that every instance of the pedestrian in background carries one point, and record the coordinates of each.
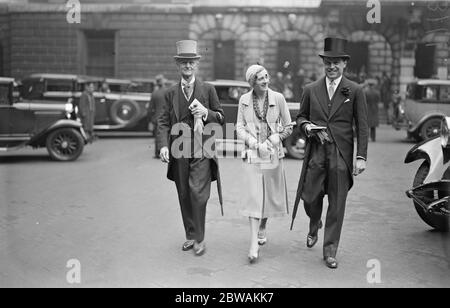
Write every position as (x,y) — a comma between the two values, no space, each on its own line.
(263,122)
(372,99)
(86,110)
(395,105)
(186,102)
(156,106)
(386,95)
(298,83)
(328,109)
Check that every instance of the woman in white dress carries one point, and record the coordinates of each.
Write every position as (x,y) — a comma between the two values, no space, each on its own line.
(263,122)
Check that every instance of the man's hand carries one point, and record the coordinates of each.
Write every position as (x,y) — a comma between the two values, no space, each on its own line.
(308,129)
(359,167)
(323,137)
(164,154)
(198,110)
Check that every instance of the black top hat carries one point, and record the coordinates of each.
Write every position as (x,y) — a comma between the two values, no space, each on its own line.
(335,48)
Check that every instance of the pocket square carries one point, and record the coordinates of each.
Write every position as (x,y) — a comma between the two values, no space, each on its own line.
(347,100)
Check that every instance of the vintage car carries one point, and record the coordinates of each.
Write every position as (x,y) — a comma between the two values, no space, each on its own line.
(39,123)
(125,104)
(426,103)
(229,92)
(115,110)
(431,184)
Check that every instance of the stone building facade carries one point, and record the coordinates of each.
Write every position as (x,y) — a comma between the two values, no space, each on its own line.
(137,39)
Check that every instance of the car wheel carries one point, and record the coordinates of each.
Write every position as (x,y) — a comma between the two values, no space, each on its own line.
(439,222)
(65,144)
(295,147)
(431,128)
(124,111)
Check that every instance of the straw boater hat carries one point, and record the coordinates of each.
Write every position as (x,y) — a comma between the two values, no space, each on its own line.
(187,49)
(335,48)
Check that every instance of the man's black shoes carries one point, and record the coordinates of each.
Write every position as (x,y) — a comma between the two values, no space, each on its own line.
(311,240)
(331,262)
(189,244)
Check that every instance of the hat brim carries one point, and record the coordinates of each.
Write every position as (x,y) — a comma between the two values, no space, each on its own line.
(187,57)
(334,55)
(327,54)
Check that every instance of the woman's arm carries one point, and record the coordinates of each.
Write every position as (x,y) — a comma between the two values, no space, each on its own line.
(241,129)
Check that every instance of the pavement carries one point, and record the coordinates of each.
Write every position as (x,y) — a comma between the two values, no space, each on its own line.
(114,214)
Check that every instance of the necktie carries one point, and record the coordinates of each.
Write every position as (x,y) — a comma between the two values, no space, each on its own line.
(331,89)
(188,91)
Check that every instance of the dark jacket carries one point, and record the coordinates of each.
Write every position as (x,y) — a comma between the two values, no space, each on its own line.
(87,110)
(345,110)
(372,98)
(204,93)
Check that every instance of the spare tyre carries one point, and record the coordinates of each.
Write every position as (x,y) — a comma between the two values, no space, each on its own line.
(125,112)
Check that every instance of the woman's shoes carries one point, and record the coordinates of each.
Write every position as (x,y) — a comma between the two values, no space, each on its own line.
(262,239)
(253,257)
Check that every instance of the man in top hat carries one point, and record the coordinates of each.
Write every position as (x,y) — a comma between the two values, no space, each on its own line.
(328,109)
(187,103)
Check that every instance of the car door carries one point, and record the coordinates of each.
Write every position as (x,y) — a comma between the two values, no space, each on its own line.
(21,121)
(444,99)
(16,125)
(229,100)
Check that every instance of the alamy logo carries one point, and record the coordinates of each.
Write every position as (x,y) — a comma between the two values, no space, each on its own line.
(74,273)
(374,274)
(73,15)
(374,14)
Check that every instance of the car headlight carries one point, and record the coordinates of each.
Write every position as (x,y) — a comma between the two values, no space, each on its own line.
(445,132)
(69,109)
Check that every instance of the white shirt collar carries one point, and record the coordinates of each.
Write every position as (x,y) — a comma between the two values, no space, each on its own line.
(184,82)
(336,81)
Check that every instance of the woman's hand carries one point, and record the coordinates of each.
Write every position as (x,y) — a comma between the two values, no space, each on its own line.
(275,139)
(265,148)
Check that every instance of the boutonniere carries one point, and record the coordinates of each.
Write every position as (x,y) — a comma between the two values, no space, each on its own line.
(346,91)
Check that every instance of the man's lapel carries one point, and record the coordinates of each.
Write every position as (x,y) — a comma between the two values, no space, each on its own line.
(176,101)
(338,98)
(198,88)
(322,95)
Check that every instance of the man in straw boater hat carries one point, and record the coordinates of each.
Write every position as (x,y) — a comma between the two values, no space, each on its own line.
(189,106)
(328,109)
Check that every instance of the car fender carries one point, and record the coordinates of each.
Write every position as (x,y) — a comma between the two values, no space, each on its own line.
(63,123)
(430,150)
(431,114)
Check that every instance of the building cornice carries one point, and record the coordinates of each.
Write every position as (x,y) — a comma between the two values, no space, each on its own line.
(104,8)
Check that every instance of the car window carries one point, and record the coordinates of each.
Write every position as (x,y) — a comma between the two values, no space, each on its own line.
(444,93)
(32,89)
(430,92)
(118,88)
(411,92)
(4,94)
(230,94)
(55,85)
(144,87)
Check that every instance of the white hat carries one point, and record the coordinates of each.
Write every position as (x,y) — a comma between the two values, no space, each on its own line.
(187,49)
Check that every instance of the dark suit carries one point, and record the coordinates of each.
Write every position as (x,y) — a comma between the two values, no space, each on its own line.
(327,169)
(192,175)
